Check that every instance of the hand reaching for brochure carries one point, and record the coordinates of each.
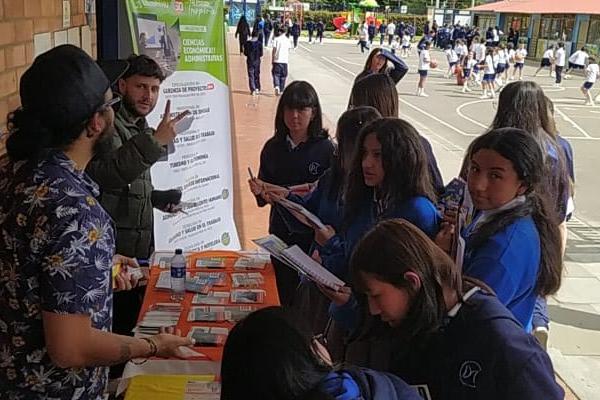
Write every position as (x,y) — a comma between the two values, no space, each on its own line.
(445,237)
(165,132)
(170,343)
(322,236)
(340,297)
(267,191)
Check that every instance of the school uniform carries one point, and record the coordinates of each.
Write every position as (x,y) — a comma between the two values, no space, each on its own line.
(397,72)
(310,27)
(424,60)
(469,66)
(391,29)
(508,261)
(591,75)
(320,27)
(295,31)
(559,64)
(366,384)
(520,55)
(253,49)
(502,62)
(489,72)
(547,58)
(406,42)
(481,352)
(382,31)
(578,60)
(452,57)
(284,164)
(279,70)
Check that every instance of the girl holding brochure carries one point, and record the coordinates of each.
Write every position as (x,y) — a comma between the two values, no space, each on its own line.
(299,152)
(450,337)
(513,243)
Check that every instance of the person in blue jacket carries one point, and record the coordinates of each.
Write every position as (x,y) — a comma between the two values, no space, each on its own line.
(382,32)
(326,202)
(451,338)
(299,152)
(270,355)
(377,63)
(388,179)
(310,27)
(295,31)
(379,91)
(253,50)
(513,243)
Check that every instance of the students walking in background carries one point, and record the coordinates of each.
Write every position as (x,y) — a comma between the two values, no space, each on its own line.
(559,63)
(280,58)
(253,49)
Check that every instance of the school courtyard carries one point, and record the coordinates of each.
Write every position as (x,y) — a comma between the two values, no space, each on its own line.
(450,120)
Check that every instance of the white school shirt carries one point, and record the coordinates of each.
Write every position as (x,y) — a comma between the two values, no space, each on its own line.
(489,65)
(406,40)
(281,45)
(560,57)
(480,54)
(579,57)
(471,63)
(395,44)
(496,36)
(424,60)
(391,28)
(520,55)
(548,54)
(591,73)
(502,56)
(511,55)
(461,50)
(451,55)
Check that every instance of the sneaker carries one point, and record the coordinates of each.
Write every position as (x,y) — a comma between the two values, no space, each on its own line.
(541,334)
(590,103)
(423,94)
(468,89)
(277,91)
(483,96)
(256,92)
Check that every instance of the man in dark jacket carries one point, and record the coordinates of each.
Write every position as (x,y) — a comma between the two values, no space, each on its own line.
(122,170)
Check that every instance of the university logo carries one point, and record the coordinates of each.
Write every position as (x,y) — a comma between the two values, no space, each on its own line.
(468,373)
(314,168)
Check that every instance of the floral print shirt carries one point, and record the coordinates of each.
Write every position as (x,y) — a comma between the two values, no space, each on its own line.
(56,249)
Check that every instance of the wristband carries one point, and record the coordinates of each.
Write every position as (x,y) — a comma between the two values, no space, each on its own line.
(153,347)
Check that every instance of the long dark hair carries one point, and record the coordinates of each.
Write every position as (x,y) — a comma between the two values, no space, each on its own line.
(404,163)
(347,132)
(270,356)
(394,247)
(375,90)
(524,105)
(372,55)
(521,149)
(298,95)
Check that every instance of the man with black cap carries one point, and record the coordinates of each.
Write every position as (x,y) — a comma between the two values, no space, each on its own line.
(56,240)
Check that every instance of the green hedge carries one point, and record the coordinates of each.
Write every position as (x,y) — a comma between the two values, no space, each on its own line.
(328,16)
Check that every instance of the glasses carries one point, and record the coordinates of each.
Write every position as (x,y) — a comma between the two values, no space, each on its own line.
(115,103)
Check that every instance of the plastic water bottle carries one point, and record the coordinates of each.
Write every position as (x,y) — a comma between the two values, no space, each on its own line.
(178,276)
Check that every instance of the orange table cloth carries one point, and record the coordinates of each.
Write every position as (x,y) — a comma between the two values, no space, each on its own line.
(210,363)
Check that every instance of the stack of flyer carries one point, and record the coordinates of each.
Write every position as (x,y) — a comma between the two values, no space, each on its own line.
(160,315)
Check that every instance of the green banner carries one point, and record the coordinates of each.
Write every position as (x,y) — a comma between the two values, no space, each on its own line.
(186,35)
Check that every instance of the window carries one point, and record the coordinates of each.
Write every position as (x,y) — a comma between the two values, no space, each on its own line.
(557,27)
(520,23)
(593,37)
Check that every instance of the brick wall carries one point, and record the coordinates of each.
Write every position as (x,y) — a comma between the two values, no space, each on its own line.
(20,20)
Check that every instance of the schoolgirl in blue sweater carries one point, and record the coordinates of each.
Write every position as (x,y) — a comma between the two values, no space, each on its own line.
(388,179)
(513,243)
(450,337)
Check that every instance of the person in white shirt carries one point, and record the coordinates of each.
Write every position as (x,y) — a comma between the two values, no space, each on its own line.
(480,57)
(279,59)
(391,29)
(489,75)
(502,64)
(577,60)
(592,73)
(547,61)
(461,50)
(520,55)
(510,51)
(468,65)
(495,36)
(424,65)
(395,46)
(405,44)
(452,58)
(363,36)
(559,62)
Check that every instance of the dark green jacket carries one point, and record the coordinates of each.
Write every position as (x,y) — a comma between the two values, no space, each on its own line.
(122,170)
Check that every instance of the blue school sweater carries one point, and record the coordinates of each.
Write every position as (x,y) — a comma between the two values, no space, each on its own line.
(508,262)
(336,253)
(481,353)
